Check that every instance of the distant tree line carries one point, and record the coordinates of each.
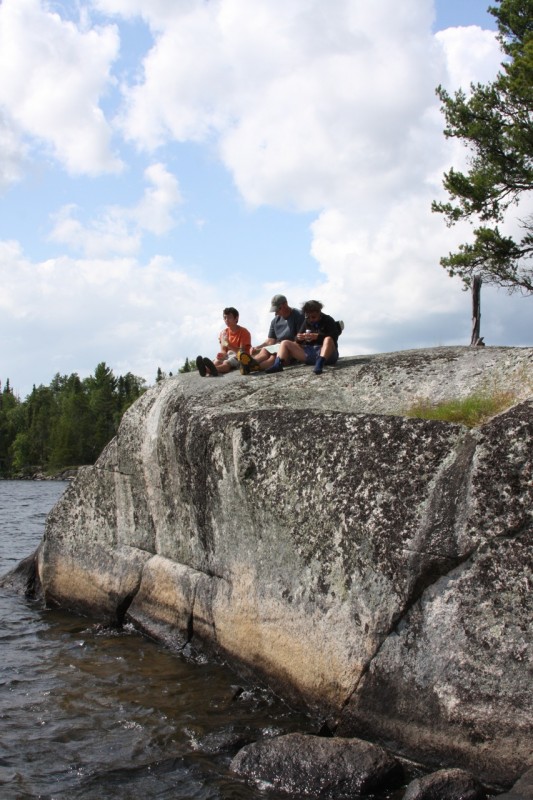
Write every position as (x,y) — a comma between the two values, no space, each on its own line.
(65,424)
(187,366)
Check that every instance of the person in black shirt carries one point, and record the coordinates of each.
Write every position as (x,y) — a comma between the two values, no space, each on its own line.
(316,342)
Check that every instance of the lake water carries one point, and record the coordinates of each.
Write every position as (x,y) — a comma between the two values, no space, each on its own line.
(88,712)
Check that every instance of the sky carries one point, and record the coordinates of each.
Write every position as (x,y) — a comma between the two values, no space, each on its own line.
(161,161)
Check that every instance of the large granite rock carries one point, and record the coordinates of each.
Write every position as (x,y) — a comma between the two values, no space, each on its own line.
(375,568)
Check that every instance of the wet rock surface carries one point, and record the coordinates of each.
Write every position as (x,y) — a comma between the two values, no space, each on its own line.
(318,767)
(445,784)
(521,790)
(373,568)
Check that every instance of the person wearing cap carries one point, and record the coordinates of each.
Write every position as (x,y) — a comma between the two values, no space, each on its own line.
(284,327)
(315,344)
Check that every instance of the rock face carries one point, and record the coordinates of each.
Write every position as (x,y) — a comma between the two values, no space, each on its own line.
(375,568)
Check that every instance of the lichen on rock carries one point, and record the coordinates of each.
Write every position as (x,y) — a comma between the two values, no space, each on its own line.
(373,568)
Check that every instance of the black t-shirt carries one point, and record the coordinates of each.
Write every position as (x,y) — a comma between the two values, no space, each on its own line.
(325,326)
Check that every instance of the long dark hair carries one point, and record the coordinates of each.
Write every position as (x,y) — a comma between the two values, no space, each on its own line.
(312,305)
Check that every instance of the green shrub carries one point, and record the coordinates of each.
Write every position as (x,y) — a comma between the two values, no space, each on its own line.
(470,411)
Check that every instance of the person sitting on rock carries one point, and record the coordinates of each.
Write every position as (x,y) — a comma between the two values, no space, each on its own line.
(232,339)
(284,326)
(316,341)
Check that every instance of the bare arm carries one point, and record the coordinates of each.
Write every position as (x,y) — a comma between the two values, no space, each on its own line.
(256,348)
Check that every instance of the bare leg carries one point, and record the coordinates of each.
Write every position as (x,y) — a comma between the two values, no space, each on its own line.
(328,347)
(261,356)
(222,366)
(287,351)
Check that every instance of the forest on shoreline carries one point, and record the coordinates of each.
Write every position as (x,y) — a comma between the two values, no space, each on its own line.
(67,423)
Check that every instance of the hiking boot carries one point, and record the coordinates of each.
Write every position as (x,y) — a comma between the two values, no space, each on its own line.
(247,363)
(200,366)
(208,364)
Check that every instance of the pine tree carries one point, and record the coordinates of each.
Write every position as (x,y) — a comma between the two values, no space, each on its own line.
(9,425)
(73,433)
(65,424)
(495,122)
(103,401)
(187,367)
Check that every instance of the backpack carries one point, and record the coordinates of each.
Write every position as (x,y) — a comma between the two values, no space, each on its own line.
(340,326)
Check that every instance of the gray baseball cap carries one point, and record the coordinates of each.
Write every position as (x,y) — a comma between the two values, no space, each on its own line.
(277,301)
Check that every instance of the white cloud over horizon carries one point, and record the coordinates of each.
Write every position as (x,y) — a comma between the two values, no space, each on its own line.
(330,114)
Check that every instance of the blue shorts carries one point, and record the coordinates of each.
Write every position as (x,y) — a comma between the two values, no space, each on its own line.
(312,351)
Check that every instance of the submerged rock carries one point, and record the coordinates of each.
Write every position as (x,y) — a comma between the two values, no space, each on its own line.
(225,741)
(318,767)
(522,789)
(446,784)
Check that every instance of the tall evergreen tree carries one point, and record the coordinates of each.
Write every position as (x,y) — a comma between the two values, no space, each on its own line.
(32,445)
(9,426)
(73,433)
(103,401)
(129,387)
(65,424)
(495,122)
(187,367)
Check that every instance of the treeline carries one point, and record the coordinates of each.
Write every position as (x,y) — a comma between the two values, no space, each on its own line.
(65,424)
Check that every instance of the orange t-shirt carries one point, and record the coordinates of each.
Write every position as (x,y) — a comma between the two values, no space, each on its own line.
(239,339)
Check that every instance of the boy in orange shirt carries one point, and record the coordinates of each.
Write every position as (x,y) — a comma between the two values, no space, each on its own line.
(232,339)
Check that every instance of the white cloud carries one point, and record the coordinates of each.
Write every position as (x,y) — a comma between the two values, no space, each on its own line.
(156,211)
(110,233)
(323,107)
(157,12)
(384,280)
(310,109)
(119,230)
(12,152)
(471,56)
(299,98)
(54,76)
(136,317)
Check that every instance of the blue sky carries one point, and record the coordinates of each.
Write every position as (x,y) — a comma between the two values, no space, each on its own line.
(161,161)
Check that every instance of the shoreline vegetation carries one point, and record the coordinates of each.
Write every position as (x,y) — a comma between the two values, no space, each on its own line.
(66,424)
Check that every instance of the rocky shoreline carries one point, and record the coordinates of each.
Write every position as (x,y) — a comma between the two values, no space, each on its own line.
(374,569)
(63,475)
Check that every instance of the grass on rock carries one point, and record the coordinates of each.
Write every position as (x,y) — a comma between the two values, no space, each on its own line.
(470,411)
